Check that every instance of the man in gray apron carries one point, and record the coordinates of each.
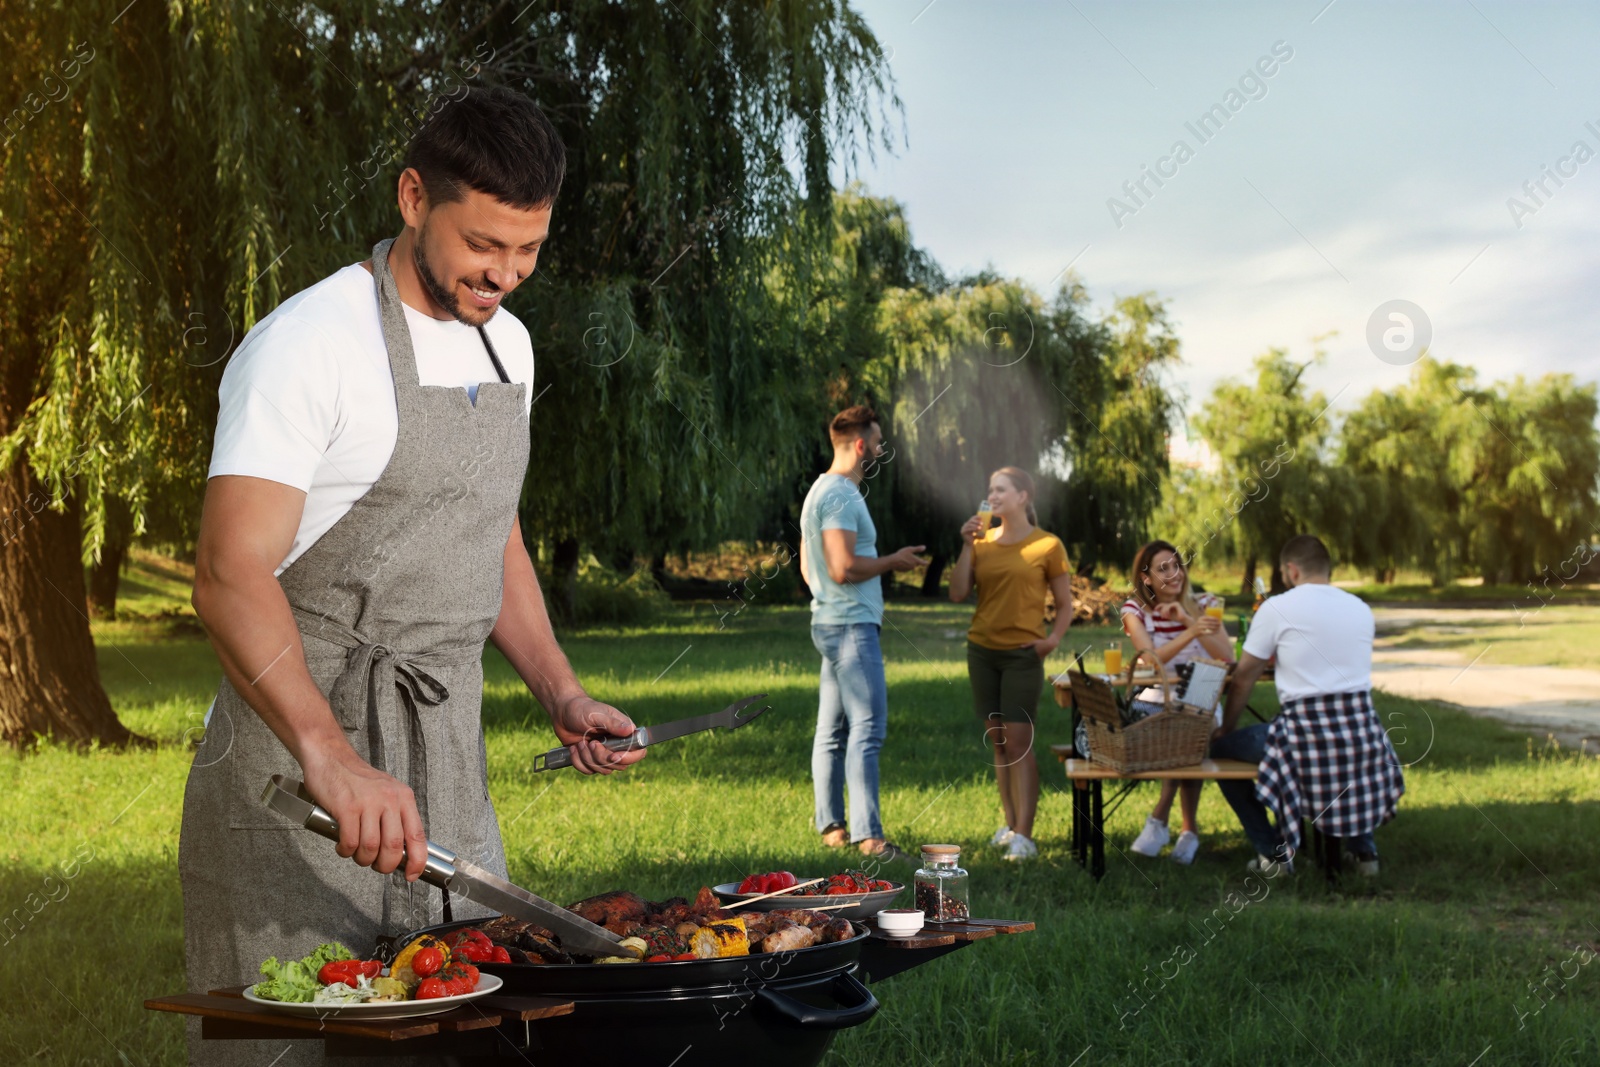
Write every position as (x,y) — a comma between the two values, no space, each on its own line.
(357,667)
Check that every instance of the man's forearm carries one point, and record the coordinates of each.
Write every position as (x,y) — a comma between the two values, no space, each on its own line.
(863,567)
(1244,680)
(524,636)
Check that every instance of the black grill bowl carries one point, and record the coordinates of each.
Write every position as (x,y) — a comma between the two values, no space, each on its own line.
(778,1010)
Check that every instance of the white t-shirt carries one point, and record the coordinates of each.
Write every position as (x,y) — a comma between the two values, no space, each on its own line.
(308,399)
(1322,637)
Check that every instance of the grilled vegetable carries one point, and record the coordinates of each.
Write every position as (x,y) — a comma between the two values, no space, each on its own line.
(388,989)
(404,966)
(724,937)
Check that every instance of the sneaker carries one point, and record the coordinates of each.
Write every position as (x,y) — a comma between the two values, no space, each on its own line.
(1021,848)
(1367,866)
(1002,837)
(1269,867)
(1152,839)
(1188,844)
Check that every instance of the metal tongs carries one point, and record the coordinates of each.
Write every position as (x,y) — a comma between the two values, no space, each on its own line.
(728,718)
(452,873)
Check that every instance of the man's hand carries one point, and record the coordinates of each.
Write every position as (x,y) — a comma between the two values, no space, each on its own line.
(582,723)
(379,824)
(907,559)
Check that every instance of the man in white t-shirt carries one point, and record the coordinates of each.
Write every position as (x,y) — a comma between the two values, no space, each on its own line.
(1326,755)
(359,546)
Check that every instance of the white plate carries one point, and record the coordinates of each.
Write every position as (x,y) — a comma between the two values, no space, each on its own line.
(383,1009)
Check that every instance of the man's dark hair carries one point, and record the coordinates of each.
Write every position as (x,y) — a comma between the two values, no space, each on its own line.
(1308,553)
(851,423)
(496,141)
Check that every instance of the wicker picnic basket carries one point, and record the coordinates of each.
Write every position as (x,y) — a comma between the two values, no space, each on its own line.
(1176,736)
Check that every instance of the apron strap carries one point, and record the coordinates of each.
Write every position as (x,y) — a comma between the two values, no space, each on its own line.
(377,684)
(494,357)
(392,318)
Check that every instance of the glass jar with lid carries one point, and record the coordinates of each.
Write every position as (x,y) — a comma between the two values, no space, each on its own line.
(941,885)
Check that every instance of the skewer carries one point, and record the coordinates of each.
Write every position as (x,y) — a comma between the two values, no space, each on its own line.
(774,893)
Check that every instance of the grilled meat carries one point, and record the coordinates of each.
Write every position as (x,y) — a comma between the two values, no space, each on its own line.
(619,907)
(706,905)
(790,937)
(506,929)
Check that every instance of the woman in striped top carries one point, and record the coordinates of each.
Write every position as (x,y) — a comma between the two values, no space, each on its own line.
(1166,617)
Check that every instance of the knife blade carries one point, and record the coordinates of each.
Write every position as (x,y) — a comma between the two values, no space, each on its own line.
(448,871)
(729,718)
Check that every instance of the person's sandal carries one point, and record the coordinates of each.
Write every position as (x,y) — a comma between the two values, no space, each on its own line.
(835,835)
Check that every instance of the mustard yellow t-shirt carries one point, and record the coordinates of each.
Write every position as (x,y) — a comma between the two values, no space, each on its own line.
(1013,581)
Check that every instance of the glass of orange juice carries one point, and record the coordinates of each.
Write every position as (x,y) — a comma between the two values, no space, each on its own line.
(1114,658)
(1215,610)
(985,515)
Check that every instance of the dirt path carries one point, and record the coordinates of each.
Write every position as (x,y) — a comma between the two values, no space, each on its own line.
(1561,701)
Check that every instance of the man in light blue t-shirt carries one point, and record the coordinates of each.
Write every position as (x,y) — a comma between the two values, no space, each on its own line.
(839,561)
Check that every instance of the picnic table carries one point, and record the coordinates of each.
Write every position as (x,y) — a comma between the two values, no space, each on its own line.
(1089,808)
(1088,778)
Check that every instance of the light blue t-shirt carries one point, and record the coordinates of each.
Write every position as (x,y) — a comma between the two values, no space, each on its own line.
(835,503)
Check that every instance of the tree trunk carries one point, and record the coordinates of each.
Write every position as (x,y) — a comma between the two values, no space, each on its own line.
(49,680)
(563,591)
(934,575)
(105,575)
(1247,584)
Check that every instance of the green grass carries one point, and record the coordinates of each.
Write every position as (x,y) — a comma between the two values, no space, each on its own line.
(1490,874)
(1554,636)
(1511,597)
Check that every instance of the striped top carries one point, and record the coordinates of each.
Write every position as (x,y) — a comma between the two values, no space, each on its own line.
(1163,629)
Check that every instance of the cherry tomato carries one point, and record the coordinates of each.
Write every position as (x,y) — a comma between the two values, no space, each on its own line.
(475,951)
(685,956)
(658,958)
(501,955)
(426,962)
(431,989)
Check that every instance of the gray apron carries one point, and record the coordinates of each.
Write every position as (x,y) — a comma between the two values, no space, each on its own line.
(394,604)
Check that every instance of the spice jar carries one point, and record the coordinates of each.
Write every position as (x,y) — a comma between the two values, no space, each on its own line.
(941,885)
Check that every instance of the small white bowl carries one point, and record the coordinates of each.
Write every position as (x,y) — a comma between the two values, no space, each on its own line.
(900,922)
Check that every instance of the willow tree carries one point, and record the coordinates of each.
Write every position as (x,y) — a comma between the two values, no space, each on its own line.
(172,171)
(1272,479)
(1496,480)
(683,398)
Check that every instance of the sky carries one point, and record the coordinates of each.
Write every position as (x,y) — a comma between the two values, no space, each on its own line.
(1377,162)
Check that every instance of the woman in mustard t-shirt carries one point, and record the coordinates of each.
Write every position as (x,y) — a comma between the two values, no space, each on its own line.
(1013,567)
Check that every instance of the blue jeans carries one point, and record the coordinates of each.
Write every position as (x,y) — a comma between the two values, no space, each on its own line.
(1249,743)
(852,718)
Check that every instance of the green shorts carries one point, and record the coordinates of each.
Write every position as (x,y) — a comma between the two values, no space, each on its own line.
(1005,683)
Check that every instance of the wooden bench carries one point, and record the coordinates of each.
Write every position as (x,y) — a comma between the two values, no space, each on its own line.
(1089,808)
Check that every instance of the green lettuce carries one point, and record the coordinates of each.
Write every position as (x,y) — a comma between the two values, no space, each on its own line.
(296,982)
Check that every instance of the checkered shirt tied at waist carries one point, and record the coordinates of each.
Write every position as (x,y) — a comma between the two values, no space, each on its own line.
(1328,757)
